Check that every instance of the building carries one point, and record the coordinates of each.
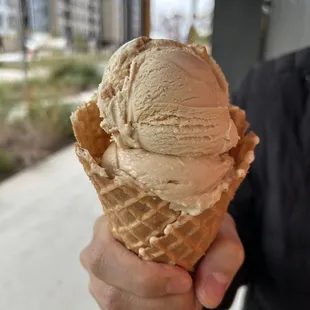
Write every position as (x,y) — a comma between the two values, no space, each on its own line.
(124,20)
(76,20)
(113,26)
(9,24)
(137,18)
(38,12)
(81,22)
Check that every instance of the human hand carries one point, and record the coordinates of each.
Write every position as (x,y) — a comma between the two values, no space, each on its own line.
(120,280)
(219,266)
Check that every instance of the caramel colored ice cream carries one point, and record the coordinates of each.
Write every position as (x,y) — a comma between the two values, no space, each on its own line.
(166,107)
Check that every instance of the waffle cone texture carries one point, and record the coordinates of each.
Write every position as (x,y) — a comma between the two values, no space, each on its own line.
(143,222)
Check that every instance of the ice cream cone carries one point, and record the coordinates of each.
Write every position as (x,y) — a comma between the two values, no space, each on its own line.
(143,222)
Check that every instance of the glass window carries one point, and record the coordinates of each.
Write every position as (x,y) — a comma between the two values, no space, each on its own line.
(10,3)
(12,21)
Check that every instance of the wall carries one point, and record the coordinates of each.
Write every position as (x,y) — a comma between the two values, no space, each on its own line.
(124,20)
(289,27)
(236,37)
(9,18)
(38,15)
(78,18)
(10,25)
(113,21)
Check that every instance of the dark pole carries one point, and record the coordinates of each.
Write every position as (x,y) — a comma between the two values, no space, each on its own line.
(24,32)
(266,8)
(128,18)
(146,17)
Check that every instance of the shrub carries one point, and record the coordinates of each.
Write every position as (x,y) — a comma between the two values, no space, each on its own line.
(80,43)
(7,162)
(79,75)
(9,94)
(45,129)
(51,120)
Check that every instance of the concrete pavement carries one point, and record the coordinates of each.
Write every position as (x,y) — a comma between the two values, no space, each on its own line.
(11,57)
(17,75)
(46,218)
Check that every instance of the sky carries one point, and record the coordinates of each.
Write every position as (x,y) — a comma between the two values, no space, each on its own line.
(181,6)
(168,8)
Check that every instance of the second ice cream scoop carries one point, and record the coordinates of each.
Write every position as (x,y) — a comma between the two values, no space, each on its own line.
(190,184)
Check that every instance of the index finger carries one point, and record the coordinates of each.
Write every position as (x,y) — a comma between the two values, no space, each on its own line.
(111,262)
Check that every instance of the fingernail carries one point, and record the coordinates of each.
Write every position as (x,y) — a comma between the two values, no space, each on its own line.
(179,285)
(215,287)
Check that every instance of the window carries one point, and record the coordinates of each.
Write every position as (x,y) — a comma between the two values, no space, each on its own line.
(45,12)
(91,34)
(67,15)
(10,3)
(12,21)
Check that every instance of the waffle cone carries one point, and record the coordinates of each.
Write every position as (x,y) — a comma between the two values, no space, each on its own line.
(143,222)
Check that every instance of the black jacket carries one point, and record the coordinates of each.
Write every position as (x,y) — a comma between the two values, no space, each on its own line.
(272,206)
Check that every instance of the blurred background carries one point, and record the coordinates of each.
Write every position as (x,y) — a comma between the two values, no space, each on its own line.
(52,57)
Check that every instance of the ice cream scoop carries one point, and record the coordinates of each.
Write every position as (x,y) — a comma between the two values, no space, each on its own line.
(163,97)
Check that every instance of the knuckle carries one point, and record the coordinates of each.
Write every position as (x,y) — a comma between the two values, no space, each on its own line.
(142,285)
(236,249)
(100,265)
(94,260)
(112,298)
(91,255)
(108,297)
(84,257)
(91,288)
(99,222)
(151,281)
(229,220)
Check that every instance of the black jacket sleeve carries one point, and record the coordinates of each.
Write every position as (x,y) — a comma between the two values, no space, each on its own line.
(241,209)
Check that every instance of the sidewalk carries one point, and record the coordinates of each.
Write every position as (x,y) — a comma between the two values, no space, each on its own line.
(46,218)
(17,75)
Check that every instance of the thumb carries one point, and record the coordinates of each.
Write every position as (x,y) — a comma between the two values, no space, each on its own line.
(219,266)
